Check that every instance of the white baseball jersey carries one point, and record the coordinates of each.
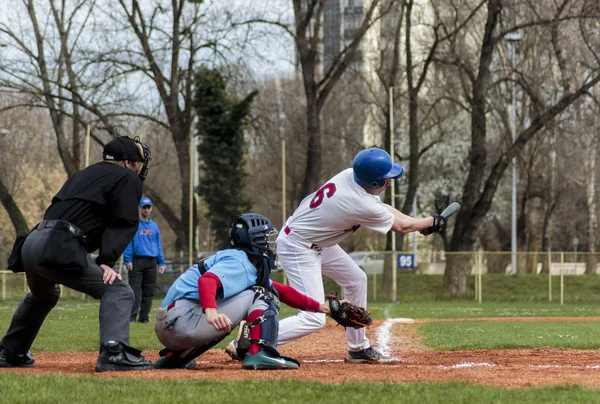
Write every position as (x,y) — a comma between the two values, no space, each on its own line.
(338,209)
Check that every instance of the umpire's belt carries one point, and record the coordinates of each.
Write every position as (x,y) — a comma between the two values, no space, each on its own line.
(64,247)
(74,230)
(287,230)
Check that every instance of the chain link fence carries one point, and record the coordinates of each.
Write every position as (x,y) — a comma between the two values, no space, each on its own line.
(544,276)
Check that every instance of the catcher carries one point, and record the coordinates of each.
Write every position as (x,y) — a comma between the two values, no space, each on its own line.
(228,289)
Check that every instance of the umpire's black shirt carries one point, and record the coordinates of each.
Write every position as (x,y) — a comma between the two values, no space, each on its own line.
(102,201)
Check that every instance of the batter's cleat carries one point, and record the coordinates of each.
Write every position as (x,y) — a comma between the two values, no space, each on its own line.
(173,362)
(116,356)
(8,360)
(263,361)
(231,350)
(368,355)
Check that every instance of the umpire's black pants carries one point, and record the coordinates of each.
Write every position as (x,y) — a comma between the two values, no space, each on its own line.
(142,279)
(115,299)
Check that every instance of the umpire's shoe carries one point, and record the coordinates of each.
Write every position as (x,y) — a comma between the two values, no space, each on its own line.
(116,356)
(264,361)
(9,360)
(368,355)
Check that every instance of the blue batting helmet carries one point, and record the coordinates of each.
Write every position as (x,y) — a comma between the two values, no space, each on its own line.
(372,166)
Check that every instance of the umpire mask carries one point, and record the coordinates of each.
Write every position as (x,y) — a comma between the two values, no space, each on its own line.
(146,155)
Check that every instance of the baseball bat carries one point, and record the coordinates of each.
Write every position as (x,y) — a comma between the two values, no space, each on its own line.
(450,210)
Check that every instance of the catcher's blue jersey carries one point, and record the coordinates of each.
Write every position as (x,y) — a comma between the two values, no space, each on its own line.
(233,268)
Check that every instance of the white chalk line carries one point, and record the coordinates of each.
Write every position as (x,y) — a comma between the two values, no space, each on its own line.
(484,364)
(383,335)
(383,339)
(466,365)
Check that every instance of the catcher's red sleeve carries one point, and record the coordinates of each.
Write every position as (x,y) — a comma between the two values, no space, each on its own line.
(295,299)
(208,285)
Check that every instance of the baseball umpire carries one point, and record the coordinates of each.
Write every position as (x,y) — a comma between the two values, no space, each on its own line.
(95,209)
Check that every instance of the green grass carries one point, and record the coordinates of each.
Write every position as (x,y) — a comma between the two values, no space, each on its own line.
(58,389)
(486,335)
(495,288)
(78,320)
(463,309)
(73,326)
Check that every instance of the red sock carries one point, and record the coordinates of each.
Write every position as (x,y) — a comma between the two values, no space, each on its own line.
(254,331)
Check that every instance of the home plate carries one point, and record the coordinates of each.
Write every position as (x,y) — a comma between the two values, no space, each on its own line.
(401,320)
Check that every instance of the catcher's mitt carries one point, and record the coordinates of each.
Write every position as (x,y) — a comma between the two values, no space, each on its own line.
(348,314)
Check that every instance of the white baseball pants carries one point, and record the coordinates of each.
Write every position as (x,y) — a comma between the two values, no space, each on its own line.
(304,268)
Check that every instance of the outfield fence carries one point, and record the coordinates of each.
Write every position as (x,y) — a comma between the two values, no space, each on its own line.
(556,277)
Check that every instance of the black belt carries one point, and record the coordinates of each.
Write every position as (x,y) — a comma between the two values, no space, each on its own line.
(46,224)
(144,257)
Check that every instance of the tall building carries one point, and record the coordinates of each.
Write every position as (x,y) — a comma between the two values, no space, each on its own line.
(341,21)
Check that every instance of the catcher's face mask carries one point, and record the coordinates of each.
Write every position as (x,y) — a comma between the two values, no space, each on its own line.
(272,241)
(147,156)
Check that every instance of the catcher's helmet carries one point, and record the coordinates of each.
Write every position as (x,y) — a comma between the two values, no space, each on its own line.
(252,232)
(372,166)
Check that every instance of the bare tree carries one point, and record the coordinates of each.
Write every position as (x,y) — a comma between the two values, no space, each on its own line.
(45,47)
(27,170)
(40,69)
(318,87)
(481,184)
(412,36)
(159,46)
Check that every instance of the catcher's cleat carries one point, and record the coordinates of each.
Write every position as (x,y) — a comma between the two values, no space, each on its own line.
(368,355)
(116,356)
(263,361)
(8,360)
(231,350)
(172,362)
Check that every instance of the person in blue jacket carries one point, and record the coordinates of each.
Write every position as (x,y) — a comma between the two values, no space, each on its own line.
(140,258)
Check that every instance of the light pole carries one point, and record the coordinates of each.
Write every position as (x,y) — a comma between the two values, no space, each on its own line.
(393,132)
(414,240)
(392,191)
(512,38)
(575,244)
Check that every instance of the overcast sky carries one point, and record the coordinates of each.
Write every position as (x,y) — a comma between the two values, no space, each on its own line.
(275,53)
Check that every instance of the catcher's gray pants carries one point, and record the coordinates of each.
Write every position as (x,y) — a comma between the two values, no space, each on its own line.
(184,326)
(116,299)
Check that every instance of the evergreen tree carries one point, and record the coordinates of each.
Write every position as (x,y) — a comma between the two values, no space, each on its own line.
(222,149)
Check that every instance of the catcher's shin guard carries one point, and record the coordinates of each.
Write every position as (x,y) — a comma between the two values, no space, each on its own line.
(262,353)
(269,328)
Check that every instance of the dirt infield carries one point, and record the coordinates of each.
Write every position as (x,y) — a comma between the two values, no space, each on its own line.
(322,353)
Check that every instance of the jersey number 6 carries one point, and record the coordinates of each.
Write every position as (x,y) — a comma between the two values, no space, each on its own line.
(326,190)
